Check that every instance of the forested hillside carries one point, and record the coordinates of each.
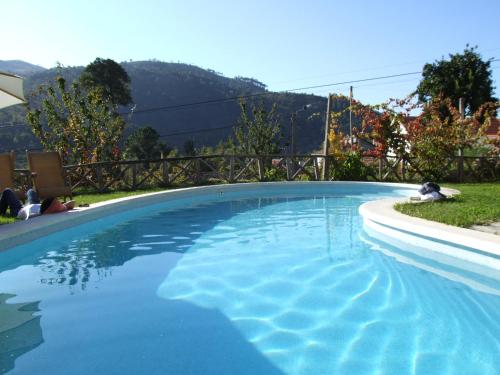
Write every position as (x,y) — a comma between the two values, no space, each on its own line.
(20,68)
(171,86)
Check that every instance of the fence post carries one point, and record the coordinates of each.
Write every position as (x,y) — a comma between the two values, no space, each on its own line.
(164,171)
(316,171)
(98,172)
(380,169)
(197,171)
(260,165)
(289,169)
(403,169)
(134,176)
(325,173)
(231,169)
(460,166)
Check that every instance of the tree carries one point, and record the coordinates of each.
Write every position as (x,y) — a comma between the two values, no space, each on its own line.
(428,140)
(464,75)
(383,127)
(111,77)
(439,132)
(259,132)
(82,125)
(144,143)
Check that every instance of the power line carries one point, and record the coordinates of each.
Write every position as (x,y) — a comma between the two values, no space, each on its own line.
(367,69)
(193,131)
(386,83)
(233,98)
(196,131)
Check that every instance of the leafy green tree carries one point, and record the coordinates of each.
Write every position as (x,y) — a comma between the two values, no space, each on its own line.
(144,144)
(82,125)
(464,75)
(111,77)
(258,132)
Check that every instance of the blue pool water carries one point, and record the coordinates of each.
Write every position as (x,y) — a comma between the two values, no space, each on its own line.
(261,283)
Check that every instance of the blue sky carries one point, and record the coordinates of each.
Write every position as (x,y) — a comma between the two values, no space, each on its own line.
(285,44)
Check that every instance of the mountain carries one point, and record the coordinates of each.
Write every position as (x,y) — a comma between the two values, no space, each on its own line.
(21,68)
(177,88)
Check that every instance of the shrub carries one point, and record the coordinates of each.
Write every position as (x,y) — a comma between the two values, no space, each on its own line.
(351,168)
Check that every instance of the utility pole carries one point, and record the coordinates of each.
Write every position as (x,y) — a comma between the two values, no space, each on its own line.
(292,132)
(290,162)
(326,165)
(460,166)
(350,117)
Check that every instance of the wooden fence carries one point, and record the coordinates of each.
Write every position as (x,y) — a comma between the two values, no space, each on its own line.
(196,170)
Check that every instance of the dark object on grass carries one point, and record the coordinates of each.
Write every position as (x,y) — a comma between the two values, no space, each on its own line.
(431,187)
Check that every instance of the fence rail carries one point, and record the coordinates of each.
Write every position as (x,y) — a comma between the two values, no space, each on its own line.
(195,170)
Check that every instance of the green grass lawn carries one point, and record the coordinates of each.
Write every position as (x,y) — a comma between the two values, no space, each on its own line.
(6,220)
(96,198)
(478,204)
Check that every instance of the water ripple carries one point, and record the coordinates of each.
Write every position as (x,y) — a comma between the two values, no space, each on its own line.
(314,299)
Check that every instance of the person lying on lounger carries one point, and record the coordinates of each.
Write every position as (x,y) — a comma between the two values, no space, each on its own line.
(9,201)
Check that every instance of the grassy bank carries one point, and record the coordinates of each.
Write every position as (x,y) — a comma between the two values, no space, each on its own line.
(478,204)
(96,198)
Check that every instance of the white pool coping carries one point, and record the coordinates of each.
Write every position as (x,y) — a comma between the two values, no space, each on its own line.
(22,232)
(382,212)
(378,211)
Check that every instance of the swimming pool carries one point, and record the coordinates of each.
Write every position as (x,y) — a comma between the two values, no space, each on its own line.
(274,280)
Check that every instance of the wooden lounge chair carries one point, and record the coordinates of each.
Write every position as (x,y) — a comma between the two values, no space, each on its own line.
(48,175)
(7,163)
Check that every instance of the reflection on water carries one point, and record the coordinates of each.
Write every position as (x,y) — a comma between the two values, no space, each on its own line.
(92,258)
(20,330)
(109,312)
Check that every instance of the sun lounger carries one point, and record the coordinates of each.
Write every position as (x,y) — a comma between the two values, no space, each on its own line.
(48,175)
(7,163)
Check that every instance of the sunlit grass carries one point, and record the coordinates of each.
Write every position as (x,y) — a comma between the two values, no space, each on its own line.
(91,198)
(6,220)
(477,204)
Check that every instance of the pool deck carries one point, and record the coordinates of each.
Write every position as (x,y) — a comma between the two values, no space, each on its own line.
(379,211)
(493,228)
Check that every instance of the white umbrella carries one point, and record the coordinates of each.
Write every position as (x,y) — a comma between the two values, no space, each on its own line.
(11,90)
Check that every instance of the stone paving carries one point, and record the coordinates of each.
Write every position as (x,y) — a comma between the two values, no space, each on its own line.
(493,228)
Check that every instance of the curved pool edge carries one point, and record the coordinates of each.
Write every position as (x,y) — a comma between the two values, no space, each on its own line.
(22,232)
(380,216)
